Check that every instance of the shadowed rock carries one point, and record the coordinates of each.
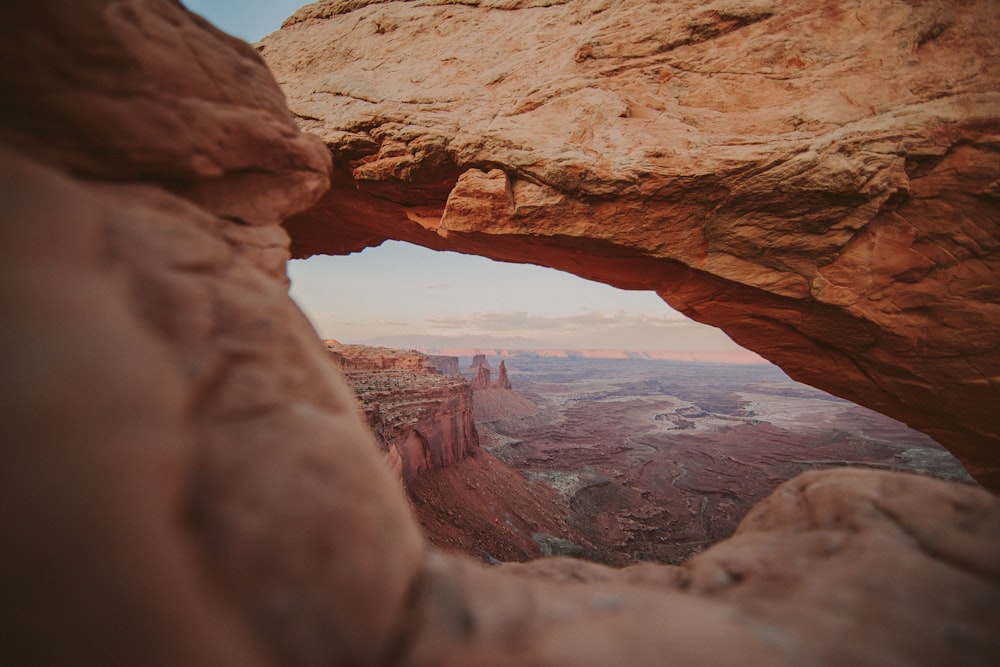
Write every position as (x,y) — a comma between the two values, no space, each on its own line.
(818,179)
(184,477)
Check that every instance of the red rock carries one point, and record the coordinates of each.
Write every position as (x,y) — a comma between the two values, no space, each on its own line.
(818,181)
(185,479)
(503,382)
(482,379)
(479,361)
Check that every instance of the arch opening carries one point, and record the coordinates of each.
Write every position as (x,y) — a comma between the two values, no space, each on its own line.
(621,431)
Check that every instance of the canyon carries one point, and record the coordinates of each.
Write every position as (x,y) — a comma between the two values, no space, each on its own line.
(186,477)
(422,417)
(618,459)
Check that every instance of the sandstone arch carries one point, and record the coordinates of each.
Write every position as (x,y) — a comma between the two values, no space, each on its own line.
(184,479)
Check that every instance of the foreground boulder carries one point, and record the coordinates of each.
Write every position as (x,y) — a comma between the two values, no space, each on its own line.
(820,180)
(185,479)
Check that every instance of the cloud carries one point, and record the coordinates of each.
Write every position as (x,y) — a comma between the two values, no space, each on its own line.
(435,285)
(520,321)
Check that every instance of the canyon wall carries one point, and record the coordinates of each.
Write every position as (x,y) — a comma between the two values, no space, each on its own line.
(185,478)
(422,419)
(819,179)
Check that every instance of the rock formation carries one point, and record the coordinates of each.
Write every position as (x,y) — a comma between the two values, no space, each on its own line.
(479,361)
(185,479)
(423,420)
(482,379)
(183,475)
(503,382)
(368,358)
(466,501)
(821,180)
(445,364)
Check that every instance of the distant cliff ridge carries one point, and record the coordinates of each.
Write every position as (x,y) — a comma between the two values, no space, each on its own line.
(482,374)
(445,364)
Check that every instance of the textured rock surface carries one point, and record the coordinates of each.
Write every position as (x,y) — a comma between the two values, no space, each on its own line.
(819,179)
(184,479)
(184,476)
(503,382)
(423,420)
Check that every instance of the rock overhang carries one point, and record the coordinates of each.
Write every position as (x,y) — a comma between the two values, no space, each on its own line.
(818,180)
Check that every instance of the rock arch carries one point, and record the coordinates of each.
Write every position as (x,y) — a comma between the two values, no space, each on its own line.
(185,479)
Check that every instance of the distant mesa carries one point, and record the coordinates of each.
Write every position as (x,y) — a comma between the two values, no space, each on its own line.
(445,365)
(479,361)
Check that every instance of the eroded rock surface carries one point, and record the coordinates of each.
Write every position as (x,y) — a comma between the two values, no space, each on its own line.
(818,179)
(422,419)
(184,477)
(183,470)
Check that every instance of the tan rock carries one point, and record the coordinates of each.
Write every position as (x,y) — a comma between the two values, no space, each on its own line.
(818,179)
(184,478)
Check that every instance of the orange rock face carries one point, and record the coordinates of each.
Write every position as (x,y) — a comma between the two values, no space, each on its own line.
(818,179)
(184,478)
(422,419)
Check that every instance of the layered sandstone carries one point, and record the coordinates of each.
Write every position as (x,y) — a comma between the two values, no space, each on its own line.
(370,358)
(818,179)
(423,420)
(479,361)
(185,479)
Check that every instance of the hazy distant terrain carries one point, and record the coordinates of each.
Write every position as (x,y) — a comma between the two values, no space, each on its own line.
(659,459)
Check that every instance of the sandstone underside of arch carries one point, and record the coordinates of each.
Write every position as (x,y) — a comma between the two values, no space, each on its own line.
(818,179)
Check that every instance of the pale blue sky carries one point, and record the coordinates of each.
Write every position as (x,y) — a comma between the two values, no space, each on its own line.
(404,295)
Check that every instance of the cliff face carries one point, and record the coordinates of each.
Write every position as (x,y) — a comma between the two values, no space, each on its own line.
(503,382)
(423,420)
(445,364)
(482,379)
(818,179)
(187,481)
(368,358)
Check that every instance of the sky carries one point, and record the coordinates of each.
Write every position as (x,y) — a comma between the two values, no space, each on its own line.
(403,295)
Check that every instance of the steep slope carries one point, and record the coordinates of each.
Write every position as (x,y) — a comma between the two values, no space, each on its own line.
(818,179)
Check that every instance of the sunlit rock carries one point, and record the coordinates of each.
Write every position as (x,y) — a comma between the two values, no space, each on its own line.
(818,179)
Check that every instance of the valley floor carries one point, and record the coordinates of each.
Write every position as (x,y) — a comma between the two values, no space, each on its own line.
(655,460)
